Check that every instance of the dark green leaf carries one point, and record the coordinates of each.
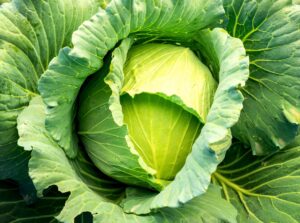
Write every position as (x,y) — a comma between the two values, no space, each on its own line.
(271,35)
(263,189)
(31,34)
(14,209)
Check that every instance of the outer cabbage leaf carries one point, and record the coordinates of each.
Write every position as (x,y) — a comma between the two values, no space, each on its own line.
(31,33)
(271,35)
(90,191)
(263,189)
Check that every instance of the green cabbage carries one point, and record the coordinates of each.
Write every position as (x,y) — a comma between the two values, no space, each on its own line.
(149,111)
(162,117)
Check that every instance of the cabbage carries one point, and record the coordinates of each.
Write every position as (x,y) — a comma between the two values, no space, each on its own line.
(162,118)
(149,111)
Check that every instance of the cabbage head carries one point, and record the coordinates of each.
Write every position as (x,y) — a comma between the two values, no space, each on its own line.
(149,111)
